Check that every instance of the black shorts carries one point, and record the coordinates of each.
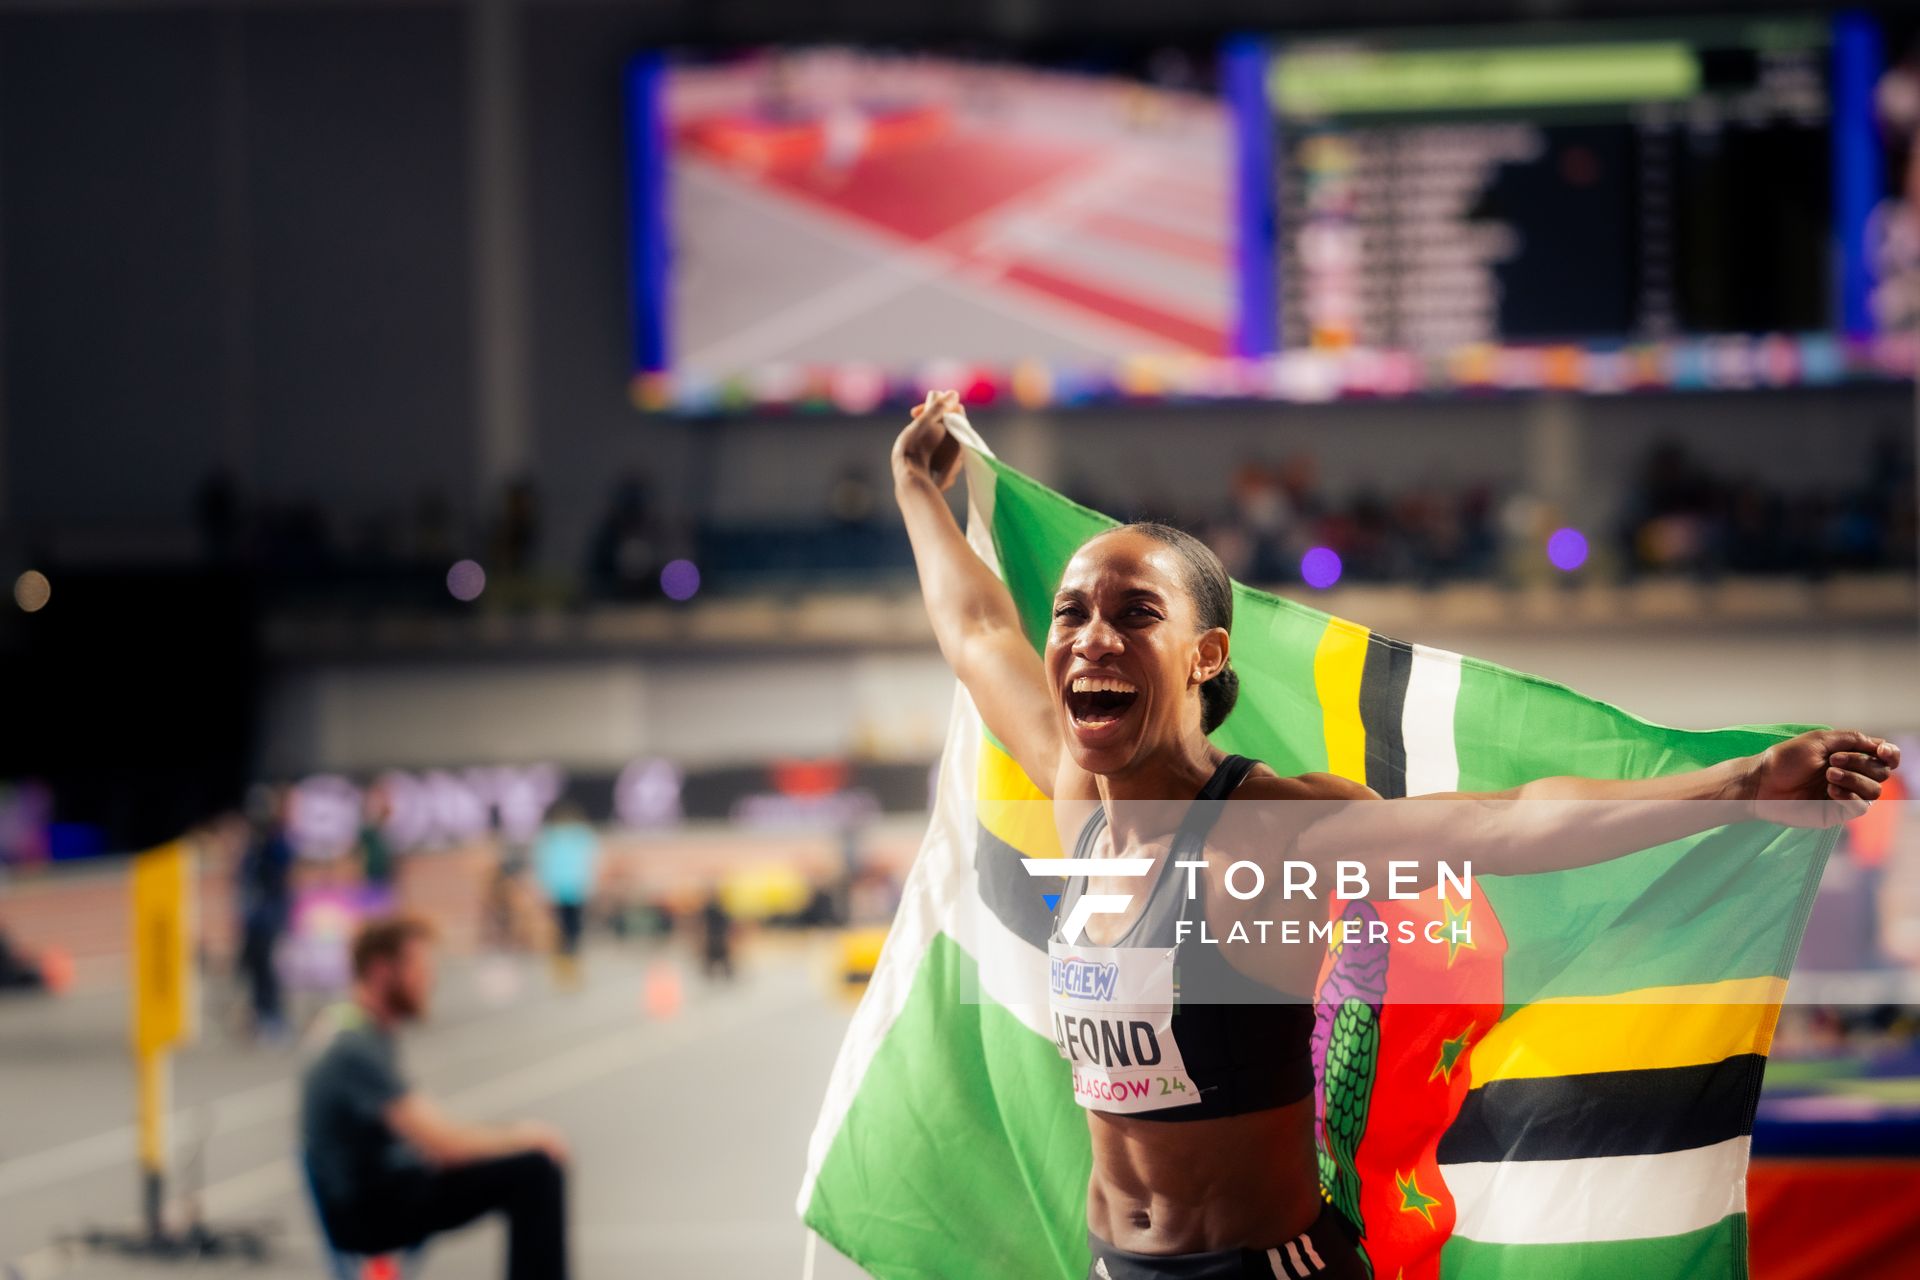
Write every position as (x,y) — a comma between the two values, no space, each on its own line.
(1324,1251)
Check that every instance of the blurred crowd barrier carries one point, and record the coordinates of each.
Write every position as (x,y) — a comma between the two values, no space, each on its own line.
(82,911)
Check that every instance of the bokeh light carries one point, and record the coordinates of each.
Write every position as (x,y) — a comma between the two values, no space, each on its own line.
(1320,568)
(647,793)
(466,580)
(680,579)
(31,591)
(1567,549)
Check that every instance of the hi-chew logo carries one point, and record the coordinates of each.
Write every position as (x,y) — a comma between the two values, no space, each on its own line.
(1088,905)
(1080,979)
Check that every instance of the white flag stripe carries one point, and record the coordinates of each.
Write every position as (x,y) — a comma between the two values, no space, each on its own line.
(941,877)
(939,886)
(1426,721)
(1559,1201)
(981,484)
(1012,972)
(1600,1197)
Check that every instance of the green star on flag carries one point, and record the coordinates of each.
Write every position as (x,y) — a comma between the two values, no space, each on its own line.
(1459,929)
(1412,1198)
(1450,1051)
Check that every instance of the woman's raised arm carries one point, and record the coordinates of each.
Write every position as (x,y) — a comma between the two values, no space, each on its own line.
(1820,778)
(974,618)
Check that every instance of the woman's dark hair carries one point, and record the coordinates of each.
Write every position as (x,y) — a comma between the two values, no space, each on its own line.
(1211,590)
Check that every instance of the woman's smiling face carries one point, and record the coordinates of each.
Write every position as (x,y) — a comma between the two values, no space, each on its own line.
(1125,653)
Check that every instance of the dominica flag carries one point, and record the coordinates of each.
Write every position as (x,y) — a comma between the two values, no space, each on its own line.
(1577,1102)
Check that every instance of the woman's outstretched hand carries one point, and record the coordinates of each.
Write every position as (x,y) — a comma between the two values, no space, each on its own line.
(1839,769)
(925,447)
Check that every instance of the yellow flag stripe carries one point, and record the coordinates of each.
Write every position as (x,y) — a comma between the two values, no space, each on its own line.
(1012,807)
(1653,1027)
(1337,666)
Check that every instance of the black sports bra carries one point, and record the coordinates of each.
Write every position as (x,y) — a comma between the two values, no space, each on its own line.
(1246,1046)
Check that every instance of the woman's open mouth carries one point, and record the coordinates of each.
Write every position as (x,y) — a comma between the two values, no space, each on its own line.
(1097,703)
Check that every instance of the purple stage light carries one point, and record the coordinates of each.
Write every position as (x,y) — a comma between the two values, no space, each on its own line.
(1320,568)
(466,580)
(1567,549)
(680,579)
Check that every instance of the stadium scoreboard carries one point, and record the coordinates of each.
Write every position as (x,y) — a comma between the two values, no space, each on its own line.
(1648,183)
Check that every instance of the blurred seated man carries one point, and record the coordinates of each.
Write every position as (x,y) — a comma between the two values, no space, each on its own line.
(18,972)
(389,1167)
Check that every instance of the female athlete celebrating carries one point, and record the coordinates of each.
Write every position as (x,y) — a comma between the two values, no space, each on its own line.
(1217,1176)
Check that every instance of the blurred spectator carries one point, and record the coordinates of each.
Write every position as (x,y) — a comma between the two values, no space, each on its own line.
(513,577)
(1427,533)
(377,867)
(1683,516)
(627,552)
(566,856)
(1680,513)
(389,1168)
(503,912)
(820,912)
(852,498)
(18,971)
(264,893)
(620,908)
(716,938)
(1264,517)
(516,530)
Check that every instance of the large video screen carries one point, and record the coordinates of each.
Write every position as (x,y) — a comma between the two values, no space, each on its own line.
(1598,207)
(843,219)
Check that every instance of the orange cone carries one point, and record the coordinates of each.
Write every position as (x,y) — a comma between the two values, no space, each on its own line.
(663,993)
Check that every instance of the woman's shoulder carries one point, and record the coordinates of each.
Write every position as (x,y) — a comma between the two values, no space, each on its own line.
(1263,783)
(1269,830)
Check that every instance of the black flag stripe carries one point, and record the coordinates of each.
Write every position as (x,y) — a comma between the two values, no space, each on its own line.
(1606,1113)
(1383,702)
(1016,899)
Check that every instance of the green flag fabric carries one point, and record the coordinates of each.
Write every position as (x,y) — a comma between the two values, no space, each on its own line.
(1583,1109)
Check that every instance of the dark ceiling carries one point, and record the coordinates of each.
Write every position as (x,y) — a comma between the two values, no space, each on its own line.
(730,21)
(1022,21)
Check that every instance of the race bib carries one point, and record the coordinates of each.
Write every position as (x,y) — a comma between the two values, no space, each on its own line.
(1112,1015)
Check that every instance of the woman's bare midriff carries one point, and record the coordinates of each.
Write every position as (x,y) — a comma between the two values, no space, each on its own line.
(1245,1181)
